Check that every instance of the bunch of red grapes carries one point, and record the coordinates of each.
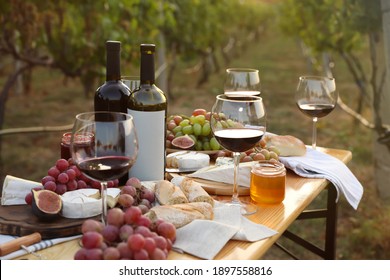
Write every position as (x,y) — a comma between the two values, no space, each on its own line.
(65,176)
(127,235)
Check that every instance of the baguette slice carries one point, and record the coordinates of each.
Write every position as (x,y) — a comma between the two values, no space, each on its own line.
(182,214)
(286,144)
(167,193)
(194,191)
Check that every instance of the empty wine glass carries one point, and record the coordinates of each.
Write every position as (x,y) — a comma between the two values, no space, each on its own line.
(242,81)
(316,97)
(238,124)
(112,151)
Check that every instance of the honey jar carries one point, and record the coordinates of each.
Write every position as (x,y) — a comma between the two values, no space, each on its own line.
(268,182)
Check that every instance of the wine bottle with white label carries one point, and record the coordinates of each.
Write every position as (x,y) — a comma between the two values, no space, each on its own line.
(148,106)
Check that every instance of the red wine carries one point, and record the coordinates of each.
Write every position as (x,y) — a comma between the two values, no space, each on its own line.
(106,168)
(316,110)
(113,95)
(238,139)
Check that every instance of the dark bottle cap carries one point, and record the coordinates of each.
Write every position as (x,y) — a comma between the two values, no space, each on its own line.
(113,70)
(113,46)
(147,63)
(148,48)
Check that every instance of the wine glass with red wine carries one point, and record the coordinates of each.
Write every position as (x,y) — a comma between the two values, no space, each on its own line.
(238,123)
(316,97)
(113,149)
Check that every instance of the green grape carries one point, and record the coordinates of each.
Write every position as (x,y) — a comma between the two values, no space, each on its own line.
(177,129)
(218,125)
(206,146)
(193,120)
(187,129)
(214,145)
(193,137)
(201,119)
(179,133)
(199,146)
(197,129)
(224,124)
(206,129)
(184,122)
(230,123)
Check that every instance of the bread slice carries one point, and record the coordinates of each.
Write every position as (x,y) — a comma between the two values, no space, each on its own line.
(286,144)
(182,214)
(194,191)
(167,193)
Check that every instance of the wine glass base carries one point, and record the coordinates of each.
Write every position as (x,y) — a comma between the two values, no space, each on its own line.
(246,208)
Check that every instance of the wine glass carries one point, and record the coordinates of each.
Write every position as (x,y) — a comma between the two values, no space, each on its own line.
(242,81)
(316,97)
(112,151)
(238,123)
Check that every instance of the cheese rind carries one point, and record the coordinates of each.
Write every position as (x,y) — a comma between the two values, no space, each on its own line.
(188,160)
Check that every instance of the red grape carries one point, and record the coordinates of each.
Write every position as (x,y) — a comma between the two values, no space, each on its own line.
(136,242)
(115,216)
(53,171)
(92,239)
(142,254)
(111,253)
(50,185)
(167,230)
(63,178)
(62,164)
(47,178)
(135,182)
(125,231)
(129,190)
(132,215)
(110,233)
(125,200)
(91,225)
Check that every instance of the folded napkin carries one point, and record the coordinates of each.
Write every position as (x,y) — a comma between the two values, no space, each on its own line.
(35,247)
(205,238)
(316,164)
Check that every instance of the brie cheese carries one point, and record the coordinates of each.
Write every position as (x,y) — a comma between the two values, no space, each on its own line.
(187,160)
(15,190)
(225,173)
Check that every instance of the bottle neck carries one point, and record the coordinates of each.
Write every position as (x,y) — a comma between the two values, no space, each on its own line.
(147,68)
(113,68)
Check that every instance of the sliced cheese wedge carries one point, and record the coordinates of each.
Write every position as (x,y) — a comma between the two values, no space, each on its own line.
(225,173)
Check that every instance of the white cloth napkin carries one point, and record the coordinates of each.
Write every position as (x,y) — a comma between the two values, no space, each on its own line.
(316,164)
(205,238)
(35,247)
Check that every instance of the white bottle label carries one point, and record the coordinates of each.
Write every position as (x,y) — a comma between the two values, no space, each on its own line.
(150,163)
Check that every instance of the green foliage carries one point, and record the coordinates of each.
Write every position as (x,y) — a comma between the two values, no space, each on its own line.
(330,25)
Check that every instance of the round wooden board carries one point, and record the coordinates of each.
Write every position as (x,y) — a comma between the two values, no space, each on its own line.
(19,220)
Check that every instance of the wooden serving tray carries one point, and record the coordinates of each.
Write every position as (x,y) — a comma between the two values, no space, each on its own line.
(19,220)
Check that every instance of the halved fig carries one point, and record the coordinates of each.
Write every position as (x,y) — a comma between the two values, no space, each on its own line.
(183,142)
(46,204)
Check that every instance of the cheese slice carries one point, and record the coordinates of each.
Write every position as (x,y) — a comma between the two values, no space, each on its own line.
(225,173)
(15,190)
(187,160)
(85,203)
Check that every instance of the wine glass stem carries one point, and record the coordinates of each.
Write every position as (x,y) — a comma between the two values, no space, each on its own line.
(236,160)
(314,138)
(103,186)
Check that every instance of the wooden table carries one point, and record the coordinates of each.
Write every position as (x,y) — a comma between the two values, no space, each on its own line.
(300,192)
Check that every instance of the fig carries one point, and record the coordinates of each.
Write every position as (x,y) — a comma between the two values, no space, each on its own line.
(184,142)
(46,204)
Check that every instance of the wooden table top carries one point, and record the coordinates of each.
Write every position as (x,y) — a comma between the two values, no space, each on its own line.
(300,192)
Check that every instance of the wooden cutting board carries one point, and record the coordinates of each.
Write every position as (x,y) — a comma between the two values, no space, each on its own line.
(19,220)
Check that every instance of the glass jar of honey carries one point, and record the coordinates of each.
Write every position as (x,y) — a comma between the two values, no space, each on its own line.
(268,182)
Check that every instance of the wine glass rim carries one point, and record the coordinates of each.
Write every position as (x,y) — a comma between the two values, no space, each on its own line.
(242,69)
(315,77)
(237,98)
(83,116)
